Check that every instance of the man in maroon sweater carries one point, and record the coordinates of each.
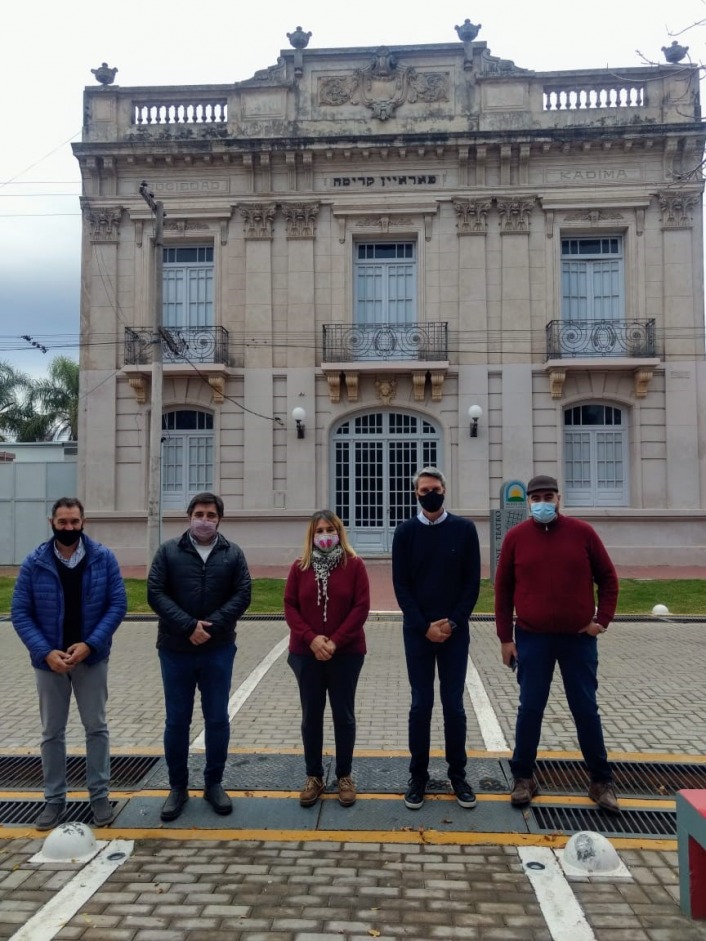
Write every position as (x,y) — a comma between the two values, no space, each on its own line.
(547,570)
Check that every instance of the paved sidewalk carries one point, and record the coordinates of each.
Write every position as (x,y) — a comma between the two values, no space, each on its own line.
(218,889)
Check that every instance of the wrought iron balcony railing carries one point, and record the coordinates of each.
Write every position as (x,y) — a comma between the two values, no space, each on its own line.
(350,343)
(569,339)
(179,345)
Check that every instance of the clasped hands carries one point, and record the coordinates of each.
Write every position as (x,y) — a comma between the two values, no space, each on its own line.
(439,631)
(200,635)
(63,661)
(322,647)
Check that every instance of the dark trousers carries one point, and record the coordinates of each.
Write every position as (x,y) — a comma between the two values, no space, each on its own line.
(210,670)
(577,656)
(339,678)
(450,659)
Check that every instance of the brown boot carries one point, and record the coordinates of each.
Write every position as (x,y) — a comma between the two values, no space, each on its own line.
(311,792)
(523,790)
(346,791)
(603,793)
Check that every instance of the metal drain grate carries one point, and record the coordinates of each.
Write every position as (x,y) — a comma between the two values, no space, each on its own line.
(23,813)
(632,778)
(25,771)
(633,823)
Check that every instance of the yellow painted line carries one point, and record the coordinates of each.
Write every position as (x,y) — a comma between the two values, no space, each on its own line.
(158,751)
(410,835)
(563,800)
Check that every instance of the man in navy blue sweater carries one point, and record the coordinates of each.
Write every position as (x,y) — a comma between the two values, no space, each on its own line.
(436,576)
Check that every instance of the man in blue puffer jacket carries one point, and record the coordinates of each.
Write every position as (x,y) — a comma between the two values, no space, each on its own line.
(68,602)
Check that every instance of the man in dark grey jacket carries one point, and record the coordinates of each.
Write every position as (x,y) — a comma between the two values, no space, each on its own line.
(199,585)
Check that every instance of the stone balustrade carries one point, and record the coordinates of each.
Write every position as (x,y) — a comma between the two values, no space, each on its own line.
(183,111)
(594,96)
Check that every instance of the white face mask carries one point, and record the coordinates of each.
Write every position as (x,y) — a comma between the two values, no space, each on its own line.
(325,542)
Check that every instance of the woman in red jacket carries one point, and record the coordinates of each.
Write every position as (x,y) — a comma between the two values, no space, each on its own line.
(326,604)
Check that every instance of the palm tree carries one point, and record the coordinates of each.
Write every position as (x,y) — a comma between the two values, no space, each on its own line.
(54,403)
(15,389)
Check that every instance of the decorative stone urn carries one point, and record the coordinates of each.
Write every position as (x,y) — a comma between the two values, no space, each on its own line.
(299,39)
(674,53)
(468,31)
(105,75)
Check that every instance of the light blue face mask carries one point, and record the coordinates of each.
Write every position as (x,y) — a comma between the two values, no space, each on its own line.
(543,512)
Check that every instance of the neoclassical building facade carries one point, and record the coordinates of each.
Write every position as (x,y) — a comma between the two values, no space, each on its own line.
(362,244)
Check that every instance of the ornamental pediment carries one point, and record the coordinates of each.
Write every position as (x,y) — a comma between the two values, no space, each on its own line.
(383,86)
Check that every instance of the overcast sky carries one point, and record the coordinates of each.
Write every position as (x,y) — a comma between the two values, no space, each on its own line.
(48,49)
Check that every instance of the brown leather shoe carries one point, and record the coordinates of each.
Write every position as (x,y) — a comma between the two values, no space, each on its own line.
(523,790)
(311,792)
(346,791)
(603,793)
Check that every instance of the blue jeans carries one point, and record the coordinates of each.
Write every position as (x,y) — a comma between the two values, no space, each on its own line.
(210,670)
(90,687)
(577,656)
(339,678)
(424,658)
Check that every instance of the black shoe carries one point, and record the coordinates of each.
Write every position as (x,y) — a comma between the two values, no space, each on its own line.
(103,812)
(50,817)
(414,798)
(218,799)
(464,792)
(174,804)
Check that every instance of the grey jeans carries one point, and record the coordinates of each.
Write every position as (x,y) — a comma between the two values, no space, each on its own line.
(90,687)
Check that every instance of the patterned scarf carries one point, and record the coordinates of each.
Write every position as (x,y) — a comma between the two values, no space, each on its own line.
(323,564)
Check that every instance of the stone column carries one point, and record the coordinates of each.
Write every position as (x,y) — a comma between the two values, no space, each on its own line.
(300,220)
(517,399)
(683,316)
(98,406)
(258,393)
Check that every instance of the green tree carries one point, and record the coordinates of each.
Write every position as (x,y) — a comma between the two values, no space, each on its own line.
(15,388)
(54,403)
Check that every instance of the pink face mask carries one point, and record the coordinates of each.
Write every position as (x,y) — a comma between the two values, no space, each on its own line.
(203,530)
(324,542)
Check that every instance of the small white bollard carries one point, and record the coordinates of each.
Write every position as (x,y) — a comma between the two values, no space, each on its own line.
(590,855)
(70,842)
(660,610)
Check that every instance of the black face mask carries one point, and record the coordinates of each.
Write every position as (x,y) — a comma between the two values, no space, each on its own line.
(432,501)
(67,537)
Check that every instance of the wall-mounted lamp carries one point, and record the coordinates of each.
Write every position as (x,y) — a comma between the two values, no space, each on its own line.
(474,413)
(298,414)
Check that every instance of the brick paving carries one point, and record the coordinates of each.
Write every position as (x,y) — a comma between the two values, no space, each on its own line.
(652,698)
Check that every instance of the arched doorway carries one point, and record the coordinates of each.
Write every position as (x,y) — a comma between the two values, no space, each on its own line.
(374,456)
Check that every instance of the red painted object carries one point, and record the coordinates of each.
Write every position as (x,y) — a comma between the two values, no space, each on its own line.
(691,836)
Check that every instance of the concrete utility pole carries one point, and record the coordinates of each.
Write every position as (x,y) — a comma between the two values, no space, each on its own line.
(154,473)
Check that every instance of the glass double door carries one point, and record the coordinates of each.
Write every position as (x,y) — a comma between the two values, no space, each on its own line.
(375,456)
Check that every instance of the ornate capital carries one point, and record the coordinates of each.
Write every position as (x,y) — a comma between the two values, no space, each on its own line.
(300,219)
(515,214)
(104,224)
(472,216)
(259,220)
(676,209)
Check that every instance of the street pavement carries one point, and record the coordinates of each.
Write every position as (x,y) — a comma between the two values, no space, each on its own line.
(182,887)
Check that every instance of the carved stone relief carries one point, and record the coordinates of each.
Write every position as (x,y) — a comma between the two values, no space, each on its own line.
(386,388)
(676,209)
(472,215)
(383,85)
(182,226)
(104,224)
(259,220)
(594,216)
(300,219)
(515,214)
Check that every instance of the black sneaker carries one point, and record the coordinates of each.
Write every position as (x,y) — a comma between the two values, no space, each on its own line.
(51,816)
(464,792)
(414,798)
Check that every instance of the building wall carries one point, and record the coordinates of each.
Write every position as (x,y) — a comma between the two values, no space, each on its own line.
(486,181)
